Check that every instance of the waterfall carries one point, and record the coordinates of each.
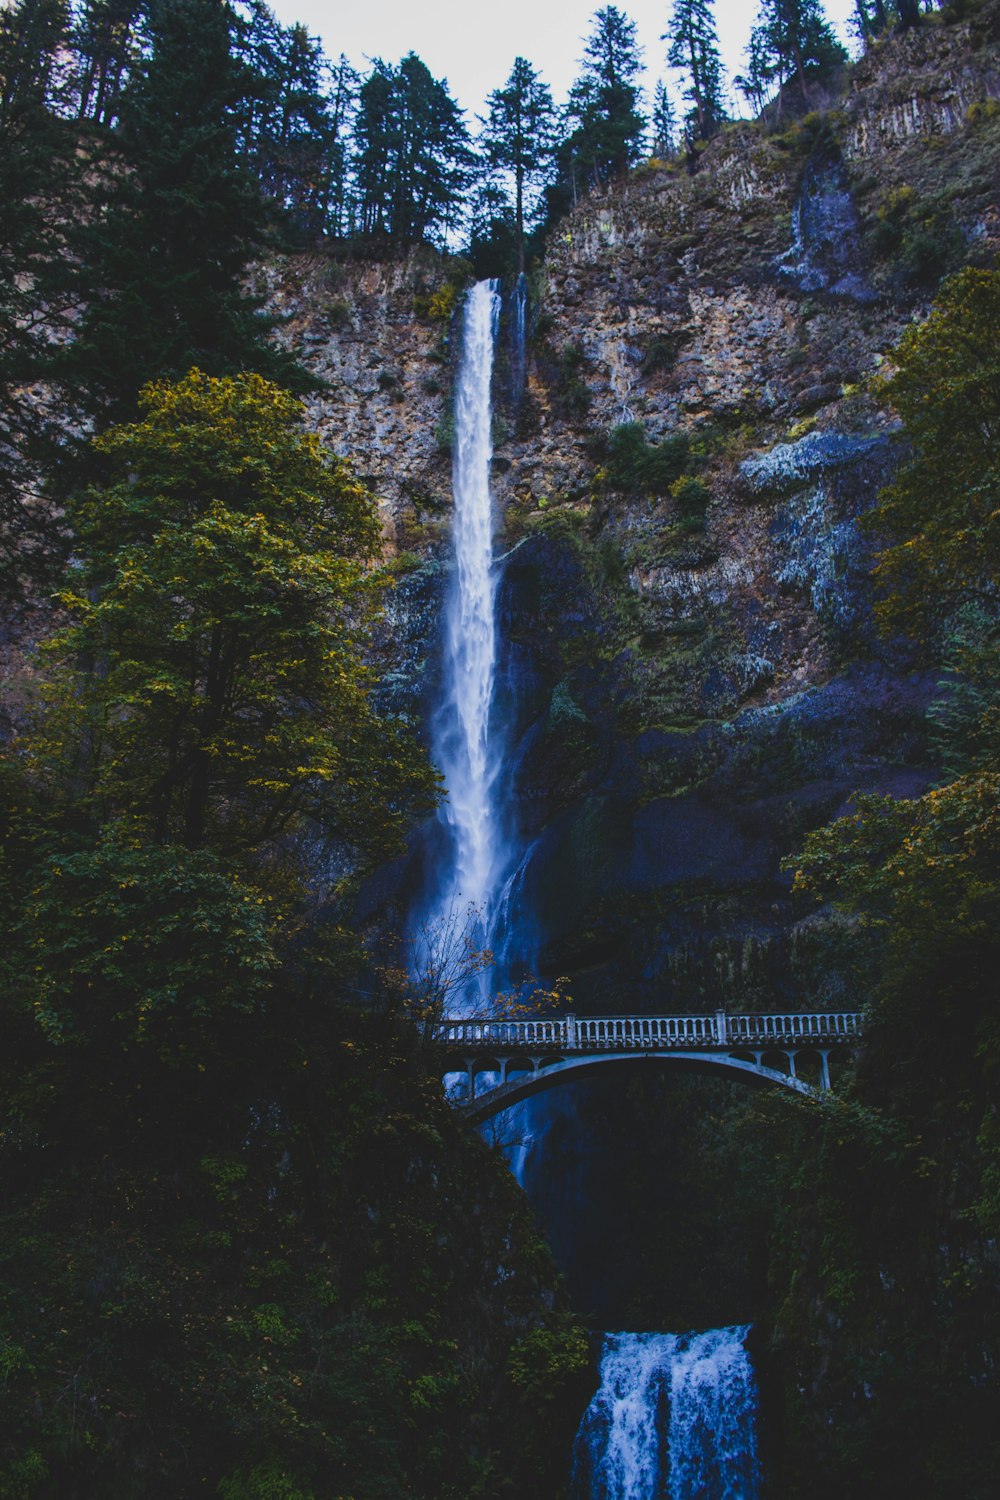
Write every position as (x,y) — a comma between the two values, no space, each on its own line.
(462,910)
(674,1419)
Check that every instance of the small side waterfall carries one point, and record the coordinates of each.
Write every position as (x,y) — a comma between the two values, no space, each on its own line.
(674,1419)
(465,746)
(519,338)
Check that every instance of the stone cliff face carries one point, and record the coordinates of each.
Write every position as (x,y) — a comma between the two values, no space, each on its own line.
(699,678)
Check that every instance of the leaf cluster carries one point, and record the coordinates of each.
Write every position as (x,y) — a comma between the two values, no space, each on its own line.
(939,521)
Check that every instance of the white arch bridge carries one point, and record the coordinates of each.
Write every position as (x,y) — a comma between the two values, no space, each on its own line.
(503,1062)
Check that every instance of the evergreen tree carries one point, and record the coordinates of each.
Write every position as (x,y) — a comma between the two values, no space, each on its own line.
(519,139)
(793,38)
(413,158)
(293,118)
(869,19)
(755,84)
(39,187)
(694,47)
(164,257)
(604,101)
(106,47)
(664,122)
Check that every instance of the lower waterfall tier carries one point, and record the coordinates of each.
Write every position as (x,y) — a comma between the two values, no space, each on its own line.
(674,1419)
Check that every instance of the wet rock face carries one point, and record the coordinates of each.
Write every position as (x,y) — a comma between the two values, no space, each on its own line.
(688,690)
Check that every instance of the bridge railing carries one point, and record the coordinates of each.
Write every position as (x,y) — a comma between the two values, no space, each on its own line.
(843,1025)
(547,1033)
(626,1033)
(646,1031)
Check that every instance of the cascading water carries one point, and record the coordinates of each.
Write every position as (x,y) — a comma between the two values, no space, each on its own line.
(463,907)
(674,1419)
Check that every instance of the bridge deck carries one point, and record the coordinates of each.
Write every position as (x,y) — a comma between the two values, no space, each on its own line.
(570,1033)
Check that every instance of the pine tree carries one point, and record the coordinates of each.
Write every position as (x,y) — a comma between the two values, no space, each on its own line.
(664,123)
(106,45)
(604,101)
(413,159)
(793,38)
(755,84)
(292,121)
(519,138)
(694,47)
(39,186)
(163,261)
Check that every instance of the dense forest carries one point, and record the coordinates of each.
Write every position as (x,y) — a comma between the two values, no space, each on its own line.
(248,1248)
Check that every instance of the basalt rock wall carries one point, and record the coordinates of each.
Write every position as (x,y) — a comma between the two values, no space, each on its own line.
(697,676)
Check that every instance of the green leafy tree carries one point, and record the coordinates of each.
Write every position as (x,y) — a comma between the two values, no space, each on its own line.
(910,1190)
(926,870)
(938,522)
(694,47)
(210,688)
(125,946)
(519,135)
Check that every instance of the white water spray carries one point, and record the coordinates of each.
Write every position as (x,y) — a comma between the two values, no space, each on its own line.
(674,1419)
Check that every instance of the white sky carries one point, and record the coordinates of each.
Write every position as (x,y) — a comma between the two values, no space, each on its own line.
(473,47)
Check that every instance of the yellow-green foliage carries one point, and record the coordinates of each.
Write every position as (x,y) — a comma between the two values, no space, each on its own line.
(224,595)
(940,519)
(545,1360)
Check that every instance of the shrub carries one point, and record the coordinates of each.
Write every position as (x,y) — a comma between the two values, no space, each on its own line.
(574,395)
(661,354)
(637,466)
(919,235)
(338,314)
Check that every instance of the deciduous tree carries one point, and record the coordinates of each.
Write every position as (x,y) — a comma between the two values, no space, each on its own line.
(939,521)
(210,688)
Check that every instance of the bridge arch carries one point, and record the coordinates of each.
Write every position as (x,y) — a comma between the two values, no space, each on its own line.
(526,1084)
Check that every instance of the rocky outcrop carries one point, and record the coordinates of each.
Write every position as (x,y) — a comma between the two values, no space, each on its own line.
(667,659)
